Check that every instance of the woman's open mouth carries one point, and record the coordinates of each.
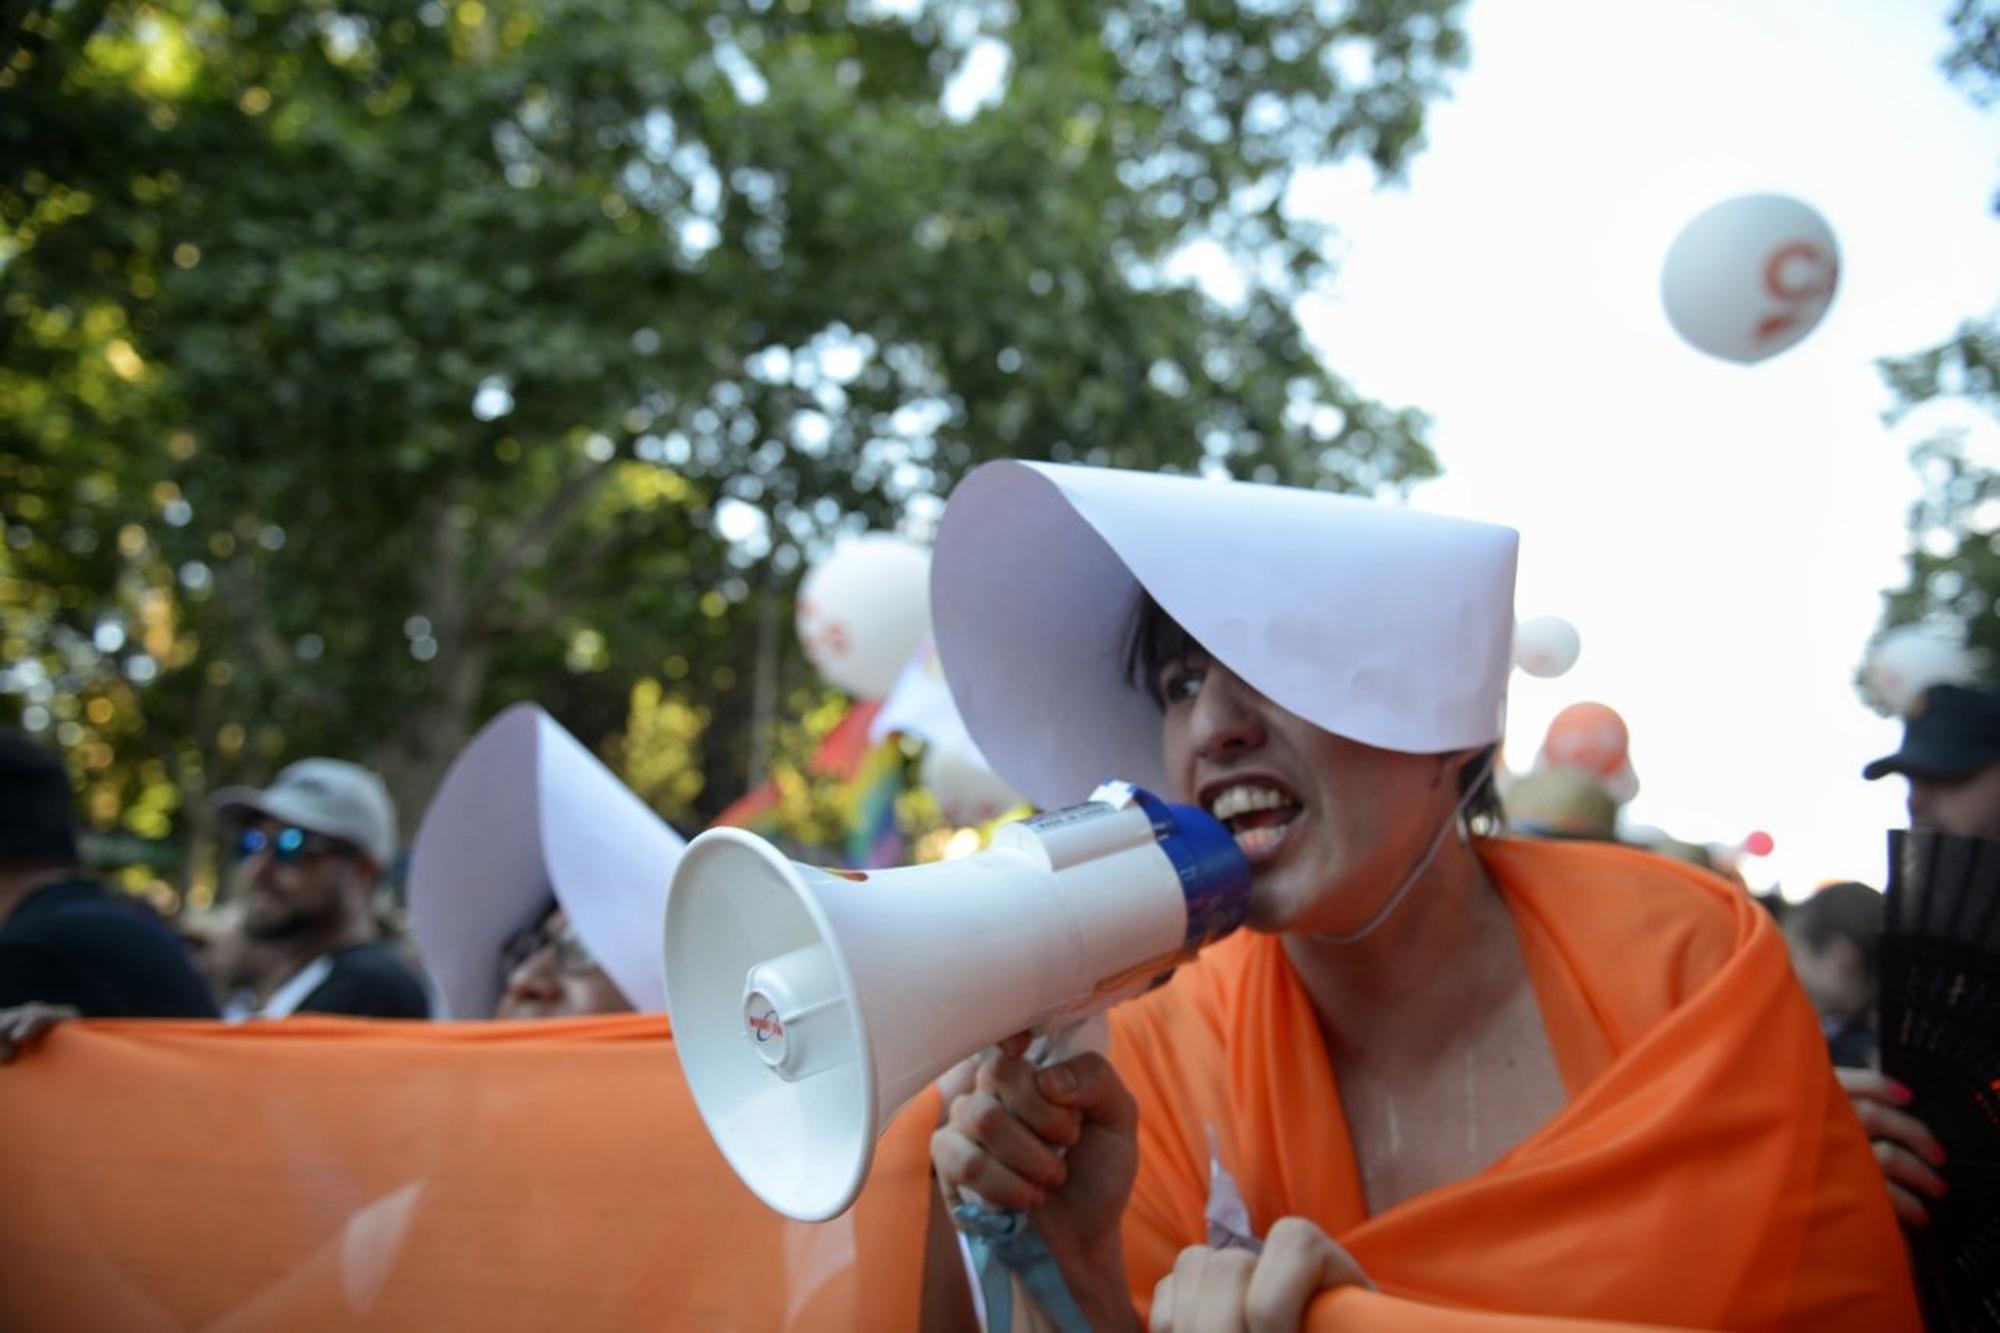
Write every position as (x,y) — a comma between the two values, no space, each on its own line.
(1257,814)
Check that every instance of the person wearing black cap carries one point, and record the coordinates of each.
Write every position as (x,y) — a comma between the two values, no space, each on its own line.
(1951,756)
(68,947)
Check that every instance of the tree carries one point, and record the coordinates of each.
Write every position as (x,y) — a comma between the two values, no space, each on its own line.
(1954,565)
(369,366)
(1954,562)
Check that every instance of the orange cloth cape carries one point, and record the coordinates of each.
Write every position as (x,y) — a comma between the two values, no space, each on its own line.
(1705,1173)
(334,1174)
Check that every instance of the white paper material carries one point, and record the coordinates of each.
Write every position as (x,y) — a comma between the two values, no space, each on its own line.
(920,705)
(1383,624)
(967,789)
(527,813)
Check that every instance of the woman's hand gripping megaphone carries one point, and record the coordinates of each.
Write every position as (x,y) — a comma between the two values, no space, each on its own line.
(1053,1134)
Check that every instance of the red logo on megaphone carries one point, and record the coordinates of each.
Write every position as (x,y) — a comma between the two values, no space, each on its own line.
(765,1027)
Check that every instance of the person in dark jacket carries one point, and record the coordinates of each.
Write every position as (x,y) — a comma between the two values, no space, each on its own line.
(1833,937)
(68,946)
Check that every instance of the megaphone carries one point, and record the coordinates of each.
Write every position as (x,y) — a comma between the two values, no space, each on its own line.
(810,1005)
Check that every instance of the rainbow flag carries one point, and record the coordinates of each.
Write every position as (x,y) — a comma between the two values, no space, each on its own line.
(870,778)
(869,800)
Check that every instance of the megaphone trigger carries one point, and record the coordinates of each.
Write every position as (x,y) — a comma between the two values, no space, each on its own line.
(1091,1032)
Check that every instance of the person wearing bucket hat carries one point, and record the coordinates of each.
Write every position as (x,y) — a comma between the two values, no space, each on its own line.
(1441,1075)
(1951,756)
(309,852)
(538,880)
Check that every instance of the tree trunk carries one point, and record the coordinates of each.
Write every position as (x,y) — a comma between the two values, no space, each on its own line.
(467,619)
(413,761)
(764,684)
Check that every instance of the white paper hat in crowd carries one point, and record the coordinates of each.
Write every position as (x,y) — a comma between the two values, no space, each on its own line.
(920,704)
(957,774)
(1383,624)
(527,814)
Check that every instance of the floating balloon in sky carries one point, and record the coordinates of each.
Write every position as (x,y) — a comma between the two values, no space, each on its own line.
(1759,843)
(1909,660)
(863,610)
(1546,646)
(1751,276)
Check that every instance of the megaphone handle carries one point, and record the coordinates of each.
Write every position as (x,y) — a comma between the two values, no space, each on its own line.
(1092,1032)
(1003,1245)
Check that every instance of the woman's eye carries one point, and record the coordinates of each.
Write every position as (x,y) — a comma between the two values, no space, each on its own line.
(1180,685)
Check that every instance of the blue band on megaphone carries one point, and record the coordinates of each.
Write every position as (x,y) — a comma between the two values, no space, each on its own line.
(1214,873)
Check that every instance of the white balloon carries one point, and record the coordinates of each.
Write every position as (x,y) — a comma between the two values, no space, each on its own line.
(863,610)
(1909,660)
(967,791)
(1546,646)
(1751,276)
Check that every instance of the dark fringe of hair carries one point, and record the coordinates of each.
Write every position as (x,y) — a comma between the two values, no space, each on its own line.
(1153,641)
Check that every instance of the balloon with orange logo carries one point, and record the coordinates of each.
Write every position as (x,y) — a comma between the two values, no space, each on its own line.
(1591,738)
(863,609)
(1750,277)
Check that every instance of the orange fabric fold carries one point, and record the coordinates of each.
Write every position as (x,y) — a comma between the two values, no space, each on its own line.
(1705,1173)
(335,1174)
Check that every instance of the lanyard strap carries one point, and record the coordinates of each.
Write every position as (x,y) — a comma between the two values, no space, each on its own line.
(1006,1246)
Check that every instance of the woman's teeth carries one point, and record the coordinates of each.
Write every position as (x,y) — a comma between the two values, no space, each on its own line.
(1255,814)
(1245,798)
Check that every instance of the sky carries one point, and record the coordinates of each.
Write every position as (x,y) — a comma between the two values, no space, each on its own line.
(1719,534)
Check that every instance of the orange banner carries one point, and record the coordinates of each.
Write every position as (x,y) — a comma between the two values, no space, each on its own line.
(334,1174)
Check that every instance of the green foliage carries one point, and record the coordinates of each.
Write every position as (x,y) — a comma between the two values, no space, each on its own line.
(1954,563)
(1974,59)
(370,365)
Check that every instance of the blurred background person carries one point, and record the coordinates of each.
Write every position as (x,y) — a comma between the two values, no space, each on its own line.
(68,946)
(548,971)
(1951,757)
(1560,803)
(1833,937)
(538,880)
(310,850)
(238,969)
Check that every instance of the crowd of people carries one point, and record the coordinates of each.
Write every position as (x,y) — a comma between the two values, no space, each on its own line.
(308,925)
(1422,1071)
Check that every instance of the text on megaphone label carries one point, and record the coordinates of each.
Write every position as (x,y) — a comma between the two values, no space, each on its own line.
(764,1028)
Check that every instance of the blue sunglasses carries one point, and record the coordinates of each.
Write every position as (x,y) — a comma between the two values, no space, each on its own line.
(286,845)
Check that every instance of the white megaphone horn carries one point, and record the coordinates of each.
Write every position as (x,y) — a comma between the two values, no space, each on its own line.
(810,1005)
